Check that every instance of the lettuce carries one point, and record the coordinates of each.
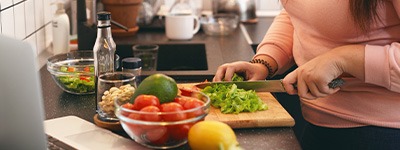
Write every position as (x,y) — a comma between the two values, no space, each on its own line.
(237,77)
(230,99)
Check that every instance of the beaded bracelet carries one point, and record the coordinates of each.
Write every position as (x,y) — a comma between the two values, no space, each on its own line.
(266,64)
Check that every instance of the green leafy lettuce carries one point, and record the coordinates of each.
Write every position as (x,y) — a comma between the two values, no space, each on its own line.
(78,83)
(230,99)
(237,77)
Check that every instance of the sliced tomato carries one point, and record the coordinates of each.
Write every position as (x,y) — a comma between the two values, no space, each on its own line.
(71,69)
(173,107)
(185,91)
(84,78)
(86,69)
(143,100)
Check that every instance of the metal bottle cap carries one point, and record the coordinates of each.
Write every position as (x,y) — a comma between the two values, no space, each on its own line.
(131,63)
(103,15)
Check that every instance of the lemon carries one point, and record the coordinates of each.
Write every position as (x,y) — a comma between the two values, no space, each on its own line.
(212,135)
(159,85)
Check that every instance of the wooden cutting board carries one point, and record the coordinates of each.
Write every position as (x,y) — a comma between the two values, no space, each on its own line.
(275,116)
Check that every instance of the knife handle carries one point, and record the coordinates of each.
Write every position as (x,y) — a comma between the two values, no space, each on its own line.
(333,84)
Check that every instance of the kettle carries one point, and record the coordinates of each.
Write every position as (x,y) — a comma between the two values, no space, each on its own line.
(246,9)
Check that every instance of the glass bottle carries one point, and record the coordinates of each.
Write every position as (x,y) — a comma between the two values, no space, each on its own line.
(104,53)
(104,48)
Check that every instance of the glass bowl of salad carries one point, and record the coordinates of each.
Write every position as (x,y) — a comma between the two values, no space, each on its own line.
(73,72)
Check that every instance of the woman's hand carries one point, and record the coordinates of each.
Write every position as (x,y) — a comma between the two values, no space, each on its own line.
(251,71)
(312,78)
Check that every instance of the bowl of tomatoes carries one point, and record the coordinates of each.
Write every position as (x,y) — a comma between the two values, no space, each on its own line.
(165,125)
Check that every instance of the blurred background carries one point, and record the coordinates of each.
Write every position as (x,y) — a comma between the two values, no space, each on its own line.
(30,20)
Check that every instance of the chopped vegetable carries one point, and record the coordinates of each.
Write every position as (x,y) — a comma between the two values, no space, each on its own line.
(237,77)
(230,99)
(77,83)
(86,69)
(71,69)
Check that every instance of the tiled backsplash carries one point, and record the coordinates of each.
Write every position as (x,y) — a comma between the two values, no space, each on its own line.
(28,20)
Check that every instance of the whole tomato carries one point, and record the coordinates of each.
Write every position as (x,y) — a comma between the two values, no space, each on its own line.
(150,117)
(134,116)
(173,107)
(127,106)
(181,100)
(179,132)
(146,100)
(134,128)
(157,135)
(191,104)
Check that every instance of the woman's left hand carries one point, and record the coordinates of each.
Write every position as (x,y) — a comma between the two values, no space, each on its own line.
(313,77)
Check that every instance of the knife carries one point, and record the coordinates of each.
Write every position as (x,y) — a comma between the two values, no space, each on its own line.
(264,85)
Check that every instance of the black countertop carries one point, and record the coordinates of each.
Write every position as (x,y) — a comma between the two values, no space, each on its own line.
(219,50)
(257,31)
(58,104)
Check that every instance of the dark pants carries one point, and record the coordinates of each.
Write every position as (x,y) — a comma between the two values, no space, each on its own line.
(360,138)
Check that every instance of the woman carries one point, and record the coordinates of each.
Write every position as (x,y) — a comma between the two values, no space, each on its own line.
(356,40)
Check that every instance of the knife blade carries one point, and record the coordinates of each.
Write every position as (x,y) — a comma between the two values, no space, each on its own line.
(264,85)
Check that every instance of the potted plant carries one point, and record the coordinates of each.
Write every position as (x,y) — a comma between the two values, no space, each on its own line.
(124,12)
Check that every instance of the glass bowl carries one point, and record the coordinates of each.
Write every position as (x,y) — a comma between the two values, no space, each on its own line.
(219,24)
(162,134)
(73,72)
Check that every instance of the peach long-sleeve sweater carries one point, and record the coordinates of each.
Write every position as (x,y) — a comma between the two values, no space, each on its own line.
(308,28)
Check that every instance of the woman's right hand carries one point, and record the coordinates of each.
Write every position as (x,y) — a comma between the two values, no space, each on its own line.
(251,71)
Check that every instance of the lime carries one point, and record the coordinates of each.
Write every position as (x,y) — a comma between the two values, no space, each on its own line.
(159,85)
(212,135)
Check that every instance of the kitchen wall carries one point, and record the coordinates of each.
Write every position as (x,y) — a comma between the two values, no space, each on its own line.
(28,20)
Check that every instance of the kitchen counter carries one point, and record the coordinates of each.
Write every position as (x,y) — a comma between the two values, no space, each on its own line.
(257,30)
(58,104)
(219,50)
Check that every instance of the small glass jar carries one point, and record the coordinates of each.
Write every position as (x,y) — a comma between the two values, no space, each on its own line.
(113,86)
(134,66)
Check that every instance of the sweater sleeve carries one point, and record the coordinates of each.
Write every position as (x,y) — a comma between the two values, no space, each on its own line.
(278,42)
(382,66)
(382,63)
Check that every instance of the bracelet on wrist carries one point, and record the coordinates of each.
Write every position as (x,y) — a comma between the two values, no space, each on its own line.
(271,71)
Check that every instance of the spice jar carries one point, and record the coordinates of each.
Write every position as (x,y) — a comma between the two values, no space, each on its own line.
(133,65)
